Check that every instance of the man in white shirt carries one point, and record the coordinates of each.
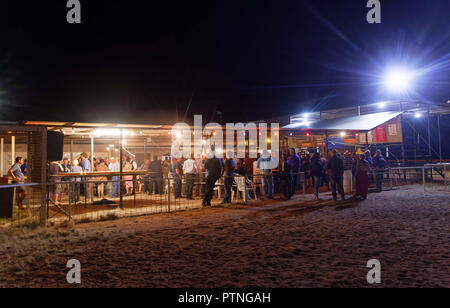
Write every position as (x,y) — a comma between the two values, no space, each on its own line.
(114,166)
(200,164)
(263,163)
(190,171)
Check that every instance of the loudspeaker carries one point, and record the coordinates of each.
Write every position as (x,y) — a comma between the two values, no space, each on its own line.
(55,146)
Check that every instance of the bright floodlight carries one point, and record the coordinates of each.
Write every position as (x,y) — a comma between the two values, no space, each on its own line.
(398,80)
(101,132)
(381,104)
(417,115)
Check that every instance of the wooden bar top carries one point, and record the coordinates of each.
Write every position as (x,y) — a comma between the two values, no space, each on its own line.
(96,174)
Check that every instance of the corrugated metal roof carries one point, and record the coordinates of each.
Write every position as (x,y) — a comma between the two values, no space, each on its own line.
(94,125)
(365,122)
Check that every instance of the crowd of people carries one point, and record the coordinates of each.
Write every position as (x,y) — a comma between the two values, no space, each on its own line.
(203,174)
(318,172)
(90,186)
(361,168)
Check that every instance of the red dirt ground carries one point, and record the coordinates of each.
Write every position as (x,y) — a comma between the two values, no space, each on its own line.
(300,243)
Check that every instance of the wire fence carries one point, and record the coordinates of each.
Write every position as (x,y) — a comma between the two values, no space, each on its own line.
(89,199)
(13,212)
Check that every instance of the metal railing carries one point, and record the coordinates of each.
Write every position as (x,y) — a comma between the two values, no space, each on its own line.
(433,177)
(82,200)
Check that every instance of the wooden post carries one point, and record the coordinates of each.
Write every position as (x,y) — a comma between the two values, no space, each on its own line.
(403,143)
(43,212)
(71,151)
(2,144)
(423,179)
(121,169)
(13,150)
(92,152)
(145,149)
(403,146)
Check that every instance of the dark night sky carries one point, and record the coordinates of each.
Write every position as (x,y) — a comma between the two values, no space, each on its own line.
(138,60)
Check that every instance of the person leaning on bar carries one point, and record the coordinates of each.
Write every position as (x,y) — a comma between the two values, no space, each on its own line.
(18,178)
(86,166)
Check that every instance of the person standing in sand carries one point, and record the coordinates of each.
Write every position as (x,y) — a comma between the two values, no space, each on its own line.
(190,171)
(316,173)
(177,174)
(286,177)
(229,168)
(362,177)
(296,165)
(267,179)
(336,169)
(379,164)
(213,168)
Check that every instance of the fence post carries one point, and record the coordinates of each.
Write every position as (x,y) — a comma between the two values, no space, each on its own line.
(168,195)
(445,174)
(245,189)
(43,212)
(303,176)
(424,179)
(135,190)
(43,178)
(390,178)
(71,193)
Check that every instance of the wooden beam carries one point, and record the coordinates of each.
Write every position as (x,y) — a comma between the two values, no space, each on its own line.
(2,143)
(13,150)
(92,152)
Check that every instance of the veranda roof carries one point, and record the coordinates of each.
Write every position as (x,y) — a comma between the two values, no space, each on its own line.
(365,122)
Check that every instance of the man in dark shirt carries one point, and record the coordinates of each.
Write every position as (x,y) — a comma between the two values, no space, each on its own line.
(335,168)
(296,163)
(146,178)
(156,176)
(379,164)
(229,168)
(213,168)
(177,174)
(286,177)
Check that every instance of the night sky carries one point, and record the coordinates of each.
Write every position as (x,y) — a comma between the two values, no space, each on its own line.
(142,61)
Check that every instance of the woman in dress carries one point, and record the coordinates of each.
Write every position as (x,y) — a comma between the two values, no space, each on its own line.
(128,178)
(362,177)
(101,167)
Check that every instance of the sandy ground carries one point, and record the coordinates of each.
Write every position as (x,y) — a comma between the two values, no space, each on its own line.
(300,243)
